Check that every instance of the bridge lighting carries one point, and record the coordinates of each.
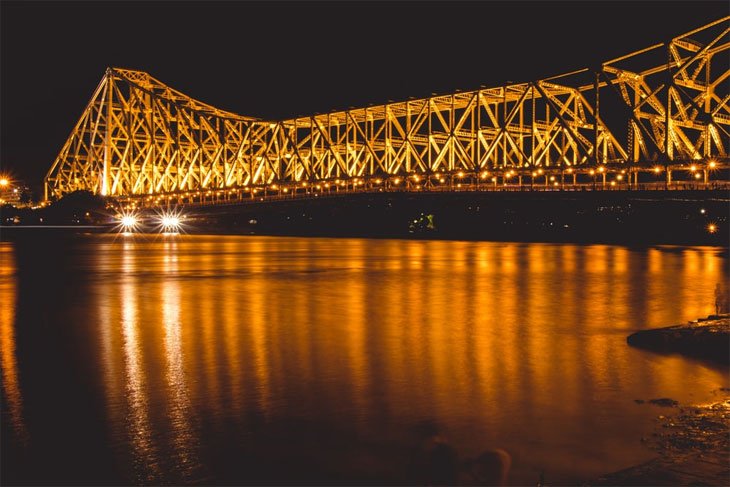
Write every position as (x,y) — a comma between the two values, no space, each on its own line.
(540,171)
(613,183)
(286,190)
(460,174)
(619,177)
(693,168)
(712,164)
(552,178)
(698,175)
(442,180)
(4,182)
(170,221)
(570,170)
(592,172)
(601,169)
(712,228)
(127,222)
(657,169)
(396,181)
(555,183)
(534,174)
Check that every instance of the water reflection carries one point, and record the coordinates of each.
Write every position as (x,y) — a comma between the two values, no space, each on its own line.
(138,424)
(10,381)
(226,357)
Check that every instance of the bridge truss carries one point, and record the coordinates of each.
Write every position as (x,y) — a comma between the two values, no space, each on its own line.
(663,108)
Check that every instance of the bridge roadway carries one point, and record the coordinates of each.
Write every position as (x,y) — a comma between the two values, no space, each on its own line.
(655,179)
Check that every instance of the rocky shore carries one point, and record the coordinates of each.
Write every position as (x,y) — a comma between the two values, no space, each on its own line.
(706,338)
(692,442)
(692,445)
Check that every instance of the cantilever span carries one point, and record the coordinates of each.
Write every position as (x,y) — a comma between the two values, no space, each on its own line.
(662,109)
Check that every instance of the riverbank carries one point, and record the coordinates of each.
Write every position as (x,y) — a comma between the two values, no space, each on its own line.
(692,443)
(605,217)
(706,338)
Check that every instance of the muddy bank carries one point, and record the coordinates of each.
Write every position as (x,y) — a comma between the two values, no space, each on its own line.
(707,338)
(692,444)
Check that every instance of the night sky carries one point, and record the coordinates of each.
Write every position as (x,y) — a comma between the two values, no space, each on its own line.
(282,59)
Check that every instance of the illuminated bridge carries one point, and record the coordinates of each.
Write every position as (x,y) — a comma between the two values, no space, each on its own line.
(656,118)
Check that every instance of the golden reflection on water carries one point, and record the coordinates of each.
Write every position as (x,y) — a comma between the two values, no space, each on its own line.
(514,345)
(8,361)
(179,409)
(139,427)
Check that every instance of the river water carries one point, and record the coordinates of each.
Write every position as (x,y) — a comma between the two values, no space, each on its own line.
(276,360)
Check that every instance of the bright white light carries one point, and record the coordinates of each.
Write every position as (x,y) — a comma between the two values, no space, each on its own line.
(128,221)
(170,221)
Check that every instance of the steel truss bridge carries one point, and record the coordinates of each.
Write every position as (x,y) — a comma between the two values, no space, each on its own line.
(657,117)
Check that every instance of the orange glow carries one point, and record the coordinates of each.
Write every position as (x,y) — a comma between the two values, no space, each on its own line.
(224,348)
(657,169)
(712,228)
(8,361)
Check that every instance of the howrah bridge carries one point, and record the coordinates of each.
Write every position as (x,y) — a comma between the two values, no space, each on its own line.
(657,118)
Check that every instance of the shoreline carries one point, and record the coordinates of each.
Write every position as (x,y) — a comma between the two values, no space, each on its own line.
(705,338)
(692,446)
(692,442)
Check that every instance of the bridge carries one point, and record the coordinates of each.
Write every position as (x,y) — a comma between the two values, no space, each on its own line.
(657,118)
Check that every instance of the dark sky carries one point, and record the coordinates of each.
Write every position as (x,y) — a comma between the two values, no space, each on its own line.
(281,59)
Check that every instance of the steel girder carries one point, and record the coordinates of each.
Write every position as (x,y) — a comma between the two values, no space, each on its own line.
(677,94)
(138,136)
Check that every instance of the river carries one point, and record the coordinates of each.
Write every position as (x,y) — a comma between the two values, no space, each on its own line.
(269,360)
